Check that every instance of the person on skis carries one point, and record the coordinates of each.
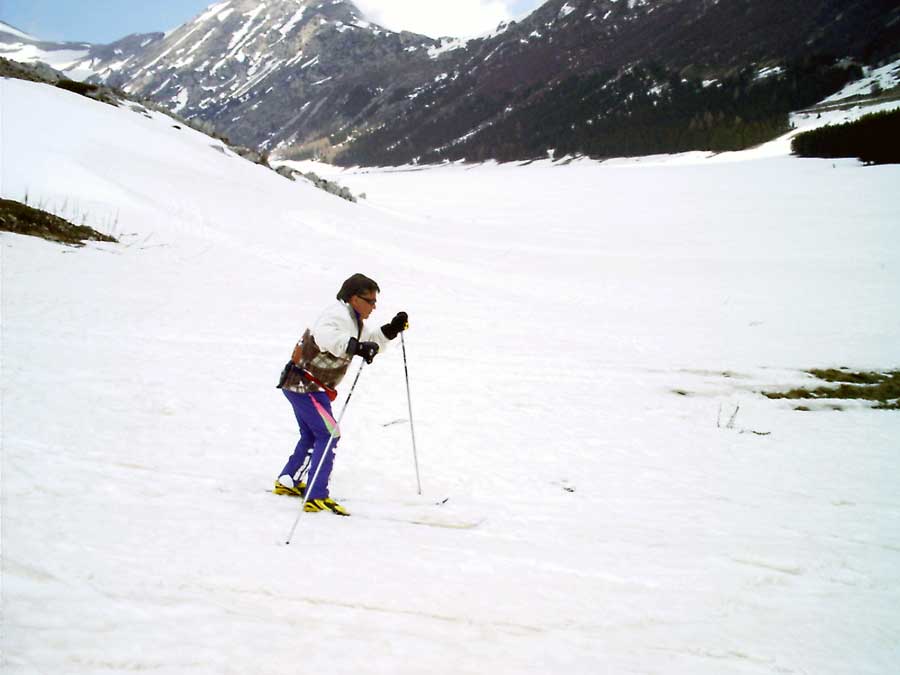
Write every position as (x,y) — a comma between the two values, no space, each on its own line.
(309,381)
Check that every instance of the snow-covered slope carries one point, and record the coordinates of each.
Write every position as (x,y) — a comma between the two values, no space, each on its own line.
(882,78)
(576,334)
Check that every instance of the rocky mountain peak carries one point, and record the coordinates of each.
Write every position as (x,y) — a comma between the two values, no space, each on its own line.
(272,71)
(242,37)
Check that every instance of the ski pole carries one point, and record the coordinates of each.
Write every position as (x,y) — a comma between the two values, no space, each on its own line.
(337,427)
(411,426)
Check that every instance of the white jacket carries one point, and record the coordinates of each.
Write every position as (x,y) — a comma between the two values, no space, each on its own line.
(337,324)
(323,348)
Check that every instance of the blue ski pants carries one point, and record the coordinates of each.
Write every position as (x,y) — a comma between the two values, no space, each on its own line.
(317,424)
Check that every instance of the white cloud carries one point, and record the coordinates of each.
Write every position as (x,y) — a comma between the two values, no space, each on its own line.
(437,18)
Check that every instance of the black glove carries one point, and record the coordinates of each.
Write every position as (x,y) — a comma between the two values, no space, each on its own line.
(397,325)
(289,366)
(367,350)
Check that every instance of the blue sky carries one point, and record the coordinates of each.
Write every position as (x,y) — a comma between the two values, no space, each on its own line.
(98,21)
(103,21)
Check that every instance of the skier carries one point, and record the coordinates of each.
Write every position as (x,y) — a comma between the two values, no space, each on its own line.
(319,362)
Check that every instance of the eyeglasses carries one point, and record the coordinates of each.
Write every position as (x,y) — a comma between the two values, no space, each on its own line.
(371,301)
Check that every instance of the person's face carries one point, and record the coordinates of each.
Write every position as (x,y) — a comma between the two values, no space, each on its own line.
(364,303)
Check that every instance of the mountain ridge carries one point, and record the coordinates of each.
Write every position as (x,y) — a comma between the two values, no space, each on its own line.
(301,78)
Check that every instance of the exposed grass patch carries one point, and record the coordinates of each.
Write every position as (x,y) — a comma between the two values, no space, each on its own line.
(32,72)
(23,219)
(82,88)
(98,92)
(321,183)
(882,388)
(41,72)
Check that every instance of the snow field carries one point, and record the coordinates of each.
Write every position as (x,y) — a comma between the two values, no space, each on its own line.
(580,337)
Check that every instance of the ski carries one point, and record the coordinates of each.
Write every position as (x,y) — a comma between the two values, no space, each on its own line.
(420,519)
(283,494)
(420,512)
(424,522)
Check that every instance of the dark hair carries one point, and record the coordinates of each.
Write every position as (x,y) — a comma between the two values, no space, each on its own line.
(358,283)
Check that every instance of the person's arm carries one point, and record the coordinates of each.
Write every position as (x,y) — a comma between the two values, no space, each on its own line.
(389,331)
(333,331)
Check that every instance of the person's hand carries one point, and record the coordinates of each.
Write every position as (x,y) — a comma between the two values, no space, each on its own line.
(397,325)
(367,350)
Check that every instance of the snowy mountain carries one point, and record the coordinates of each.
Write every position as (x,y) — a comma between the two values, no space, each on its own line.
(587,346)
(77,60)
(11,33)
(63,56)
(276,72)
(607,78)
(105,61)
(306,78)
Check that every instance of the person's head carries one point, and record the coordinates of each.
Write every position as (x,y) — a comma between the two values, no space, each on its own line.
(361,293)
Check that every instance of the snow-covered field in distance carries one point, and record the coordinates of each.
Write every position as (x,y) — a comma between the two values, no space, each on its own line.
(581,336)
